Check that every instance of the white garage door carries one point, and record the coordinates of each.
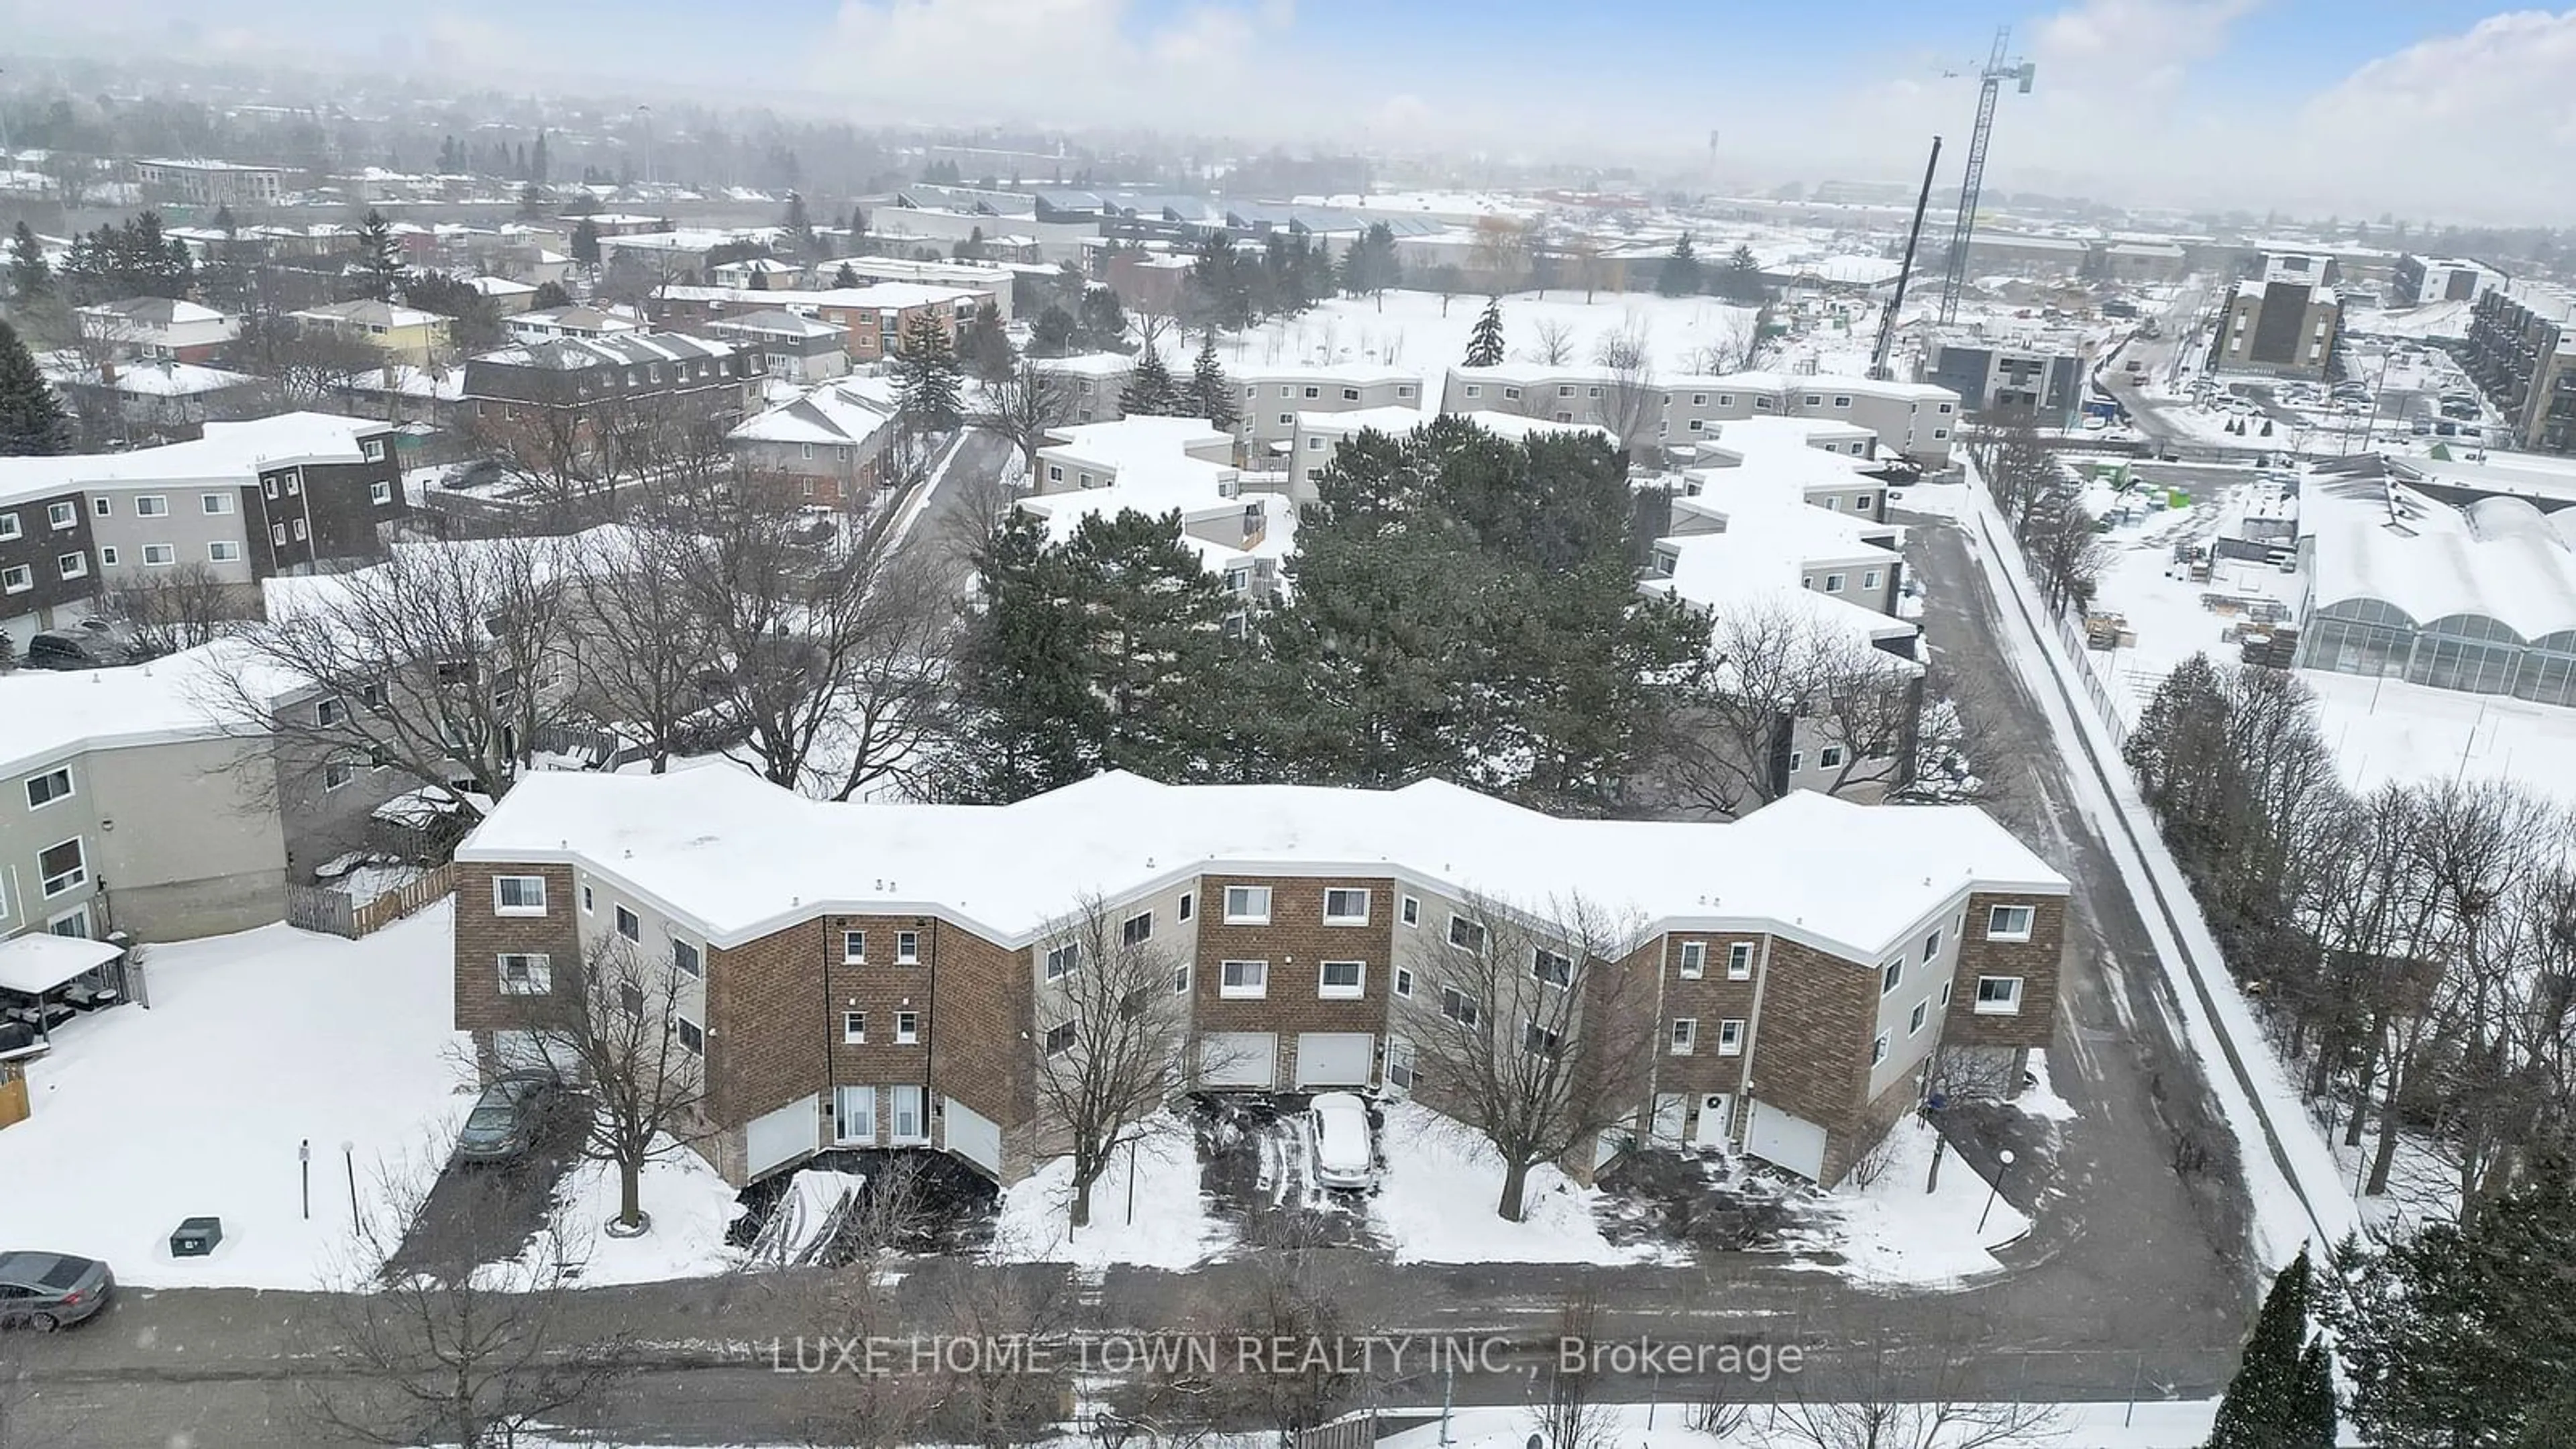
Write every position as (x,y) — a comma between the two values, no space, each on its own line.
(1239,1059)
(774,1139)
(1785,1141)
(525,1051)
(1335,1058)
(972,1135)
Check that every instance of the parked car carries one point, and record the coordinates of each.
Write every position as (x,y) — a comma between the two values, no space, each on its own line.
(508,1118)
(1345,1155)
(46,1291)
(75,649)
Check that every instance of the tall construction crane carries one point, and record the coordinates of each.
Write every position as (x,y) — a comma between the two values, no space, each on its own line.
(1997,71)
(1904,269)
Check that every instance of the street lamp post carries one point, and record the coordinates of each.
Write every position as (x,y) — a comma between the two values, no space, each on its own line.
(1994,1189)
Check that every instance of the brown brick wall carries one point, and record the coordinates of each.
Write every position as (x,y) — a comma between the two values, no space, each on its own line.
(1710,1000)
(2037,961)
(482,936)
(1865,1128)
(881,988)
(982,1049)
(1811,1046)
(1294,942)
(765,1039)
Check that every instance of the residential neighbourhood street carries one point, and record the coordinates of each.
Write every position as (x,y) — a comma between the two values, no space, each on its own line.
(2135,1274)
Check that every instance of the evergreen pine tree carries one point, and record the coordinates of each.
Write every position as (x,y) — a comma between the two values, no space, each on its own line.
(1741,278)
(537,160)
(926,375)
(1485,344)
(844,277)
(1027,720)
(986,347)
(2262,1408)
(2314,1423)
(29,277)
(377,259)
(549,295)
(225,223)
(1154,644)
(33,423)
(1053,333)
(1211,392)
(1149,392)
(798,226)
(1680,276)
(585,242)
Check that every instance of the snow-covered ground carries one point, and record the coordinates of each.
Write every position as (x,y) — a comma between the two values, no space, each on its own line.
(690,1207)
(1889,1230)
(1435,1202)
(2181,1424)
(1171,1226)
(1412,334)
(254,1043)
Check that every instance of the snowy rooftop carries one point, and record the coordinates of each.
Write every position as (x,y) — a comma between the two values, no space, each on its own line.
(848,411)
(1087,364)
(1348,374)
(1140,443)
(46,714)
(742,858)
(369,312)
(1393,421)
(146,379)
(2500,558)
(1198,504)
(228,451)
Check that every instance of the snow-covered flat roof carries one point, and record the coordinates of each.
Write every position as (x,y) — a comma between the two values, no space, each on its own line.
(741,858)
(1347,374)
(47,714)
(1087,364)
(230,451)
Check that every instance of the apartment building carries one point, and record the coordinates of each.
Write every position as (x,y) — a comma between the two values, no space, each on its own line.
(872,319)
(661,371)
(163,328)
(992,281)
(1273,396)
(128,804)
(827,445)
(547,323)
(1319,436)
(2038,370)
(2521,352)
(1093,383)
(249,500)
(800,350)
(2418,280)
(856,974)
(1159,466)
(210,184)
(1915,420)
(2284,322)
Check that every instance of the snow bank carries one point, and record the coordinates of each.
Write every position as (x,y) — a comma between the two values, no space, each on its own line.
(690,1207)
(2039,1098)
(1892,1231)
(1170,1228)
(253,1044)
(1435,1202)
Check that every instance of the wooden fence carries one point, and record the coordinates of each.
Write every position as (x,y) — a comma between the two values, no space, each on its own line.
(334,913)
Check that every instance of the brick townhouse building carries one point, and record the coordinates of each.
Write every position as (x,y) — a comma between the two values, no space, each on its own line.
(877,974)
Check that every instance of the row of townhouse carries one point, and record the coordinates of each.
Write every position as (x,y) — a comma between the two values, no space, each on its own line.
(826,445)
(1912,420)
(249,500)
(147,800)
(886,975)
(1158,466)
(1318,436)
(872,319)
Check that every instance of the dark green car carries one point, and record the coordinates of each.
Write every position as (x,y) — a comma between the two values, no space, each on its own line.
(508,1118)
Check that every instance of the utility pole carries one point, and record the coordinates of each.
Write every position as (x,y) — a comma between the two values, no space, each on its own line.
(1997,71)
(1905,269)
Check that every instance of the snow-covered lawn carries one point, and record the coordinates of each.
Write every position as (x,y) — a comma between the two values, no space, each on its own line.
(1411,334)
(1170,1228)
(1890,1230)
(2181,1424)
(253,1044)
(690,1207)
(1435,1202)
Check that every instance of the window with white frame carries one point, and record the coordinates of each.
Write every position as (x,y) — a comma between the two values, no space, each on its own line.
(338,771)
(1410,912)
(160,555)
(854,1027)
(907,948)
(1998,996)
(1465,934)
(1869,580)
(62,515)
(1346,907)
(72,565)
(1833,583)
(1922,1014)
(854,1114)
(687,960)
(1062,961)
(586,900)
(1945,993)
(1730,1037)
(2008,923)
(904,1114)
(1189,906)
(1830,758)
(9,527)
(1341,980)
(1137,929)
(1739,961)
(1541,1041)
(1878,1049)
(907,1028)
(223,550)
(1059,1039)
(1404,981)
(1399,1064)
(1552,968)
(1247,905)
(150,505)
(1458,1006)
(380,492)
(1891,974)
(854,948)
(526,973)
(45,789)
(629,924)
(692,1037)
(1931,945)
(518,895)
(1685,1035)
(1694,960)
(1243,979)
(17,579)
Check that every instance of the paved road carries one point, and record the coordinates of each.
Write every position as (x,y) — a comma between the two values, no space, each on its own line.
(2135,1277)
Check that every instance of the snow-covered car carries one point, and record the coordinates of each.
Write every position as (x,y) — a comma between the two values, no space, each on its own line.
(1344,1156)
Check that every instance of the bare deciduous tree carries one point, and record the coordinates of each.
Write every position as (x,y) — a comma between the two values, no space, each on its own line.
(1570,1412)
(1024,407)
(304,367)
(165,610)
(443,661)
(642,667)
(1631,403)
(1884,1390)
(1530,1031)
(1552,342)
(1775,672)
(456,1352)
(1113,1039)
(610,1025)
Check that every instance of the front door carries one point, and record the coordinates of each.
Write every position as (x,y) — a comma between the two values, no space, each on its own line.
(1714,1111)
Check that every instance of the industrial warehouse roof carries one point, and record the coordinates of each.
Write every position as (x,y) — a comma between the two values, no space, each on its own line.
(2500,558)
(741,858)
